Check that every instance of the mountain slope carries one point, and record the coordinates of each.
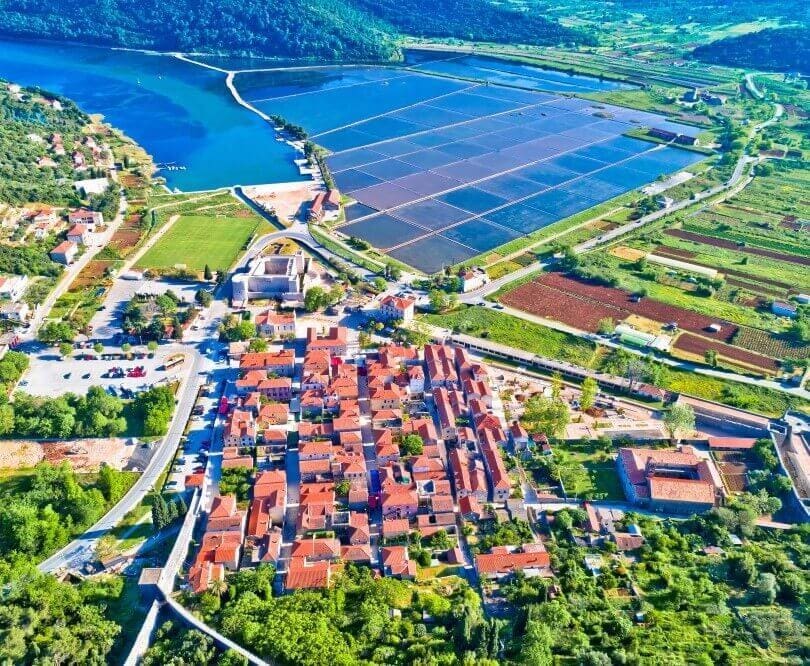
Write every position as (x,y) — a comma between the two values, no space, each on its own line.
(288,28)
(325,29)
(474,20)
(778,49)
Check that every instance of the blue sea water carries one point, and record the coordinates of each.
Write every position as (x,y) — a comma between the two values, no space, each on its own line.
(180,113)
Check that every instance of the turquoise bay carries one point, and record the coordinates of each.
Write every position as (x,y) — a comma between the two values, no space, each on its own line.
(180,113)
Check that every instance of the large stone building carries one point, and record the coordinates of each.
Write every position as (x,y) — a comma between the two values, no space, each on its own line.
(279,276)
(677,481)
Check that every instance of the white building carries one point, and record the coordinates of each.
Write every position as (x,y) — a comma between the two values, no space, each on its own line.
(473,278)
(396,307)
(91,186)
(89,218)
(65,253)
(13,287)
(15,311)
(275,324)
(277,276)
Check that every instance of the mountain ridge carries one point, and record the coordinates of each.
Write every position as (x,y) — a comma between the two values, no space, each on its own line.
(359,30)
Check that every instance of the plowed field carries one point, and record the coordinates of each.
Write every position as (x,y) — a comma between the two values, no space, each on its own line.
(598,296)
(693,344)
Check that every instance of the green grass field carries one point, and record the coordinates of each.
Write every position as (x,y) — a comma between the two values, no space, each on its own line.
(508,330)
(587,470)
(196,241)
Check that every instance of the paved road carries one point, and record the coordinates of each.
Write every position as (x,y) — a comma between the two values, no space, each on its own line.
(298,232)
(81,549)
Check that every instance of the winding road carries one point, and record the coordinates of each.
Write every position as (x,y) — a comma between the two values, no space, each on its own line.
(82,549)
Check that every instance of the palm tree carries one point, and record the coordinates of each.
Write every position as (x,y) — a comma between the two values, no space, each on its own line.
(219,587)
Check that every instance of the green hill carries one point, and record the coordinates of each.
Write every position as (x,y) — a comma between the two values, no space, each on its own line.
(778,49)
(324,29)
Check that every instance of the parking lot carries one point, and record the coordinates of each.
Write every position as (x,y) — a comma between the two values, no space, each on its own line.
(204,434)
(50,375)
(191,457)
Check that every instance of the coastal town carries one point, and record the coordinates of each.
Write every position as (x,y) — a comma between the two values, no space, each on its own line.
(508,374)
(360,457)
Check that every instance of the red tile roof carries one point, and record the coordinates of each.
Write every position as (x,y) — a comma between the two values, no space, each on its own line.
(681,490)
(302,574)
(506,562)
(356,553)
(312,549)
(732,442)
(396,561)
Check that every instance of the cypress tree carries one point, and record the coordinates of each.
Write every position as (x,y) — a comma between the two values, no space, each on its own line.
(160,512)
(171,512)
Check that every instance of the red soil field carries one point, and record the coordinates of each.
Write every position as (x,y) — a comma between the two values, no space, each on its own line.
(735,479)
(676,253)
(125,238)
(90,274)
(593,294)
(769,291)
(731,245)
(693,344)
(542,301)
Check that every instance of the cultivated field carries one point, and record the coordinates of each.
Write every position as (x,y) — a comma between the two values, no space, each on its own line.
(604,302)
(698,346)
(737,245)
(508,330)
(127,236)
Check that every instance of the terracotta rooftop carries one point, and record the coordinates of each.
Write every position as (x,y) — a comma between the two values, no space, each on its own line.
(506,562)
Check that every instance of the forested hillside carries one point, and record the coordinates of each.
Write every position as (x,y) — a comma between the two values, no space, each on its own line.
(472,20)
(782,49)
(708,12)
(27,121)
(327,29)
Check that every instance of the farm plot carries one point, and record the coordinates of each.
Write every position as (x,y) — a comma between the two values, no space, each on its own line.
(91,274)
(777,346)
(732,245)
(506,329)
(695,345)
(748,275)
(755,288)
(646,307)
(753,234)
(127,235)
(543,301)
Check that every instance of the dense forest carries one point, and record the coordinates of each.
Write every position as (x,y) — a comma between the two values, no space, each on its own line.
(43,621)
(781,50)
(326,29)
(472,20)
(42,511)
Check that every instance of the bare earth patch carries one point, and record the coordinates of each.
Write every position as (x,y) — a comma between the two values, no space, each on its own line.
(84,455)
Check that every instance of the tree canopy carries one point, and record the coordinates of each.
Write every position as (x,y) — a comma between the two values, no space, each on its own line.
(324,29)
(765,49)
